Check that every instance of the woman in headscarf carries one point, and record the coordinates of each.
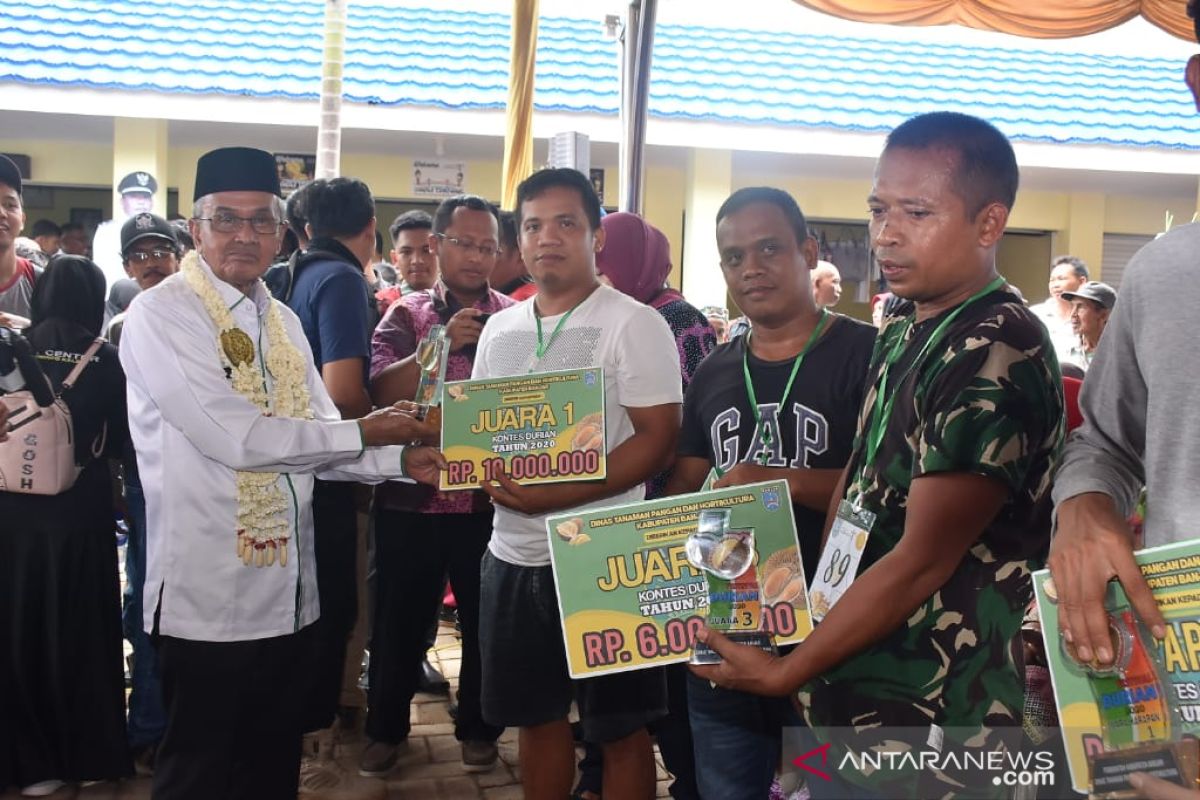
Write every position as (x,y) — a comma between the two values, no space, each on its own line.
(636,260)
(62,689)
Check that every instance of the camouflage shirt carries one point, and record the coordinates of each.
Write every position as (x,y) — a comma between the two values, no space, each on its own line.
(986,400)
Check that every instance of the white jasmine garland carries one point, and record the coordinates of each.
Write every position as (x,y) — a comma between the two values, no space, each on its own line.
(262,522)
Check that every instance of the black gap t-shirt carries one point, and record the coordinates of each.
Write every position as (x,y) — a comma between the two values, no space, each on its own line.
(813,429)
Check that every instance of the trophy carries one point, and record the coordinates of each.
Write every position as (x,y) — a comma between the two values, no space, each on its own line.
(431,356)
(1140,723)
(727,558)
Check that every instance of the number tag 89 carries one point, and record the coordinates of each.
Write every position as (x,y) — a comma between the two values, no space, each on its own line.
(840,559)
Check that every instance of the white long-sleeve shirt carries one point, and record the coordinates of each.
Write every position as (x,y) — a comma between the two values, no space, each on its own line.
(192,432)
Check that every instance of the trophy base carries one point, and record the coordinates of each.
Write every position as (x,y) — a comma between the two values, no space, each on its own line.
(1174,762)
(703,654)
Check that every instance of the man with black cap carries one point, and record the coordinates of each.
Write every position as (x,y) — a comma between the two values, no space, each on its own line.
(1091,305)
(137,197)
(222,386)
(17,275)
(149,253)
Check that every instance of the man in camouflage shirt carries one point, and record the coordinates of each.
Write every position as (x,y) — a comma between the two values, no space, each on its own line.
(957,440)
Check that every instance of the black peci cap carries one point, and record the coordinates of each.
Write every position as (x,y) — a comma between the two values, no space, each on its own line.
(236,169)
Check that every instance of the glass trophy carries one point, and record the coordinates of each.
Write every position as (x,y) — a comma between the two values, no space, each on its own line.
(726,556)
(431,355)
(1138,716)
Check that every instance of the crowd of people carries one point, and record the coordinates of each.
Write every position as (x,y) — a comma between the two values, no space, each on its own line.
(253,402)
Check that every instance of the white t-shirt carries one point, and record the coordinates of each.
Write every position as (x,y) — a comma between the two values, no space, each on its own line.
(1062,335)
(629,341)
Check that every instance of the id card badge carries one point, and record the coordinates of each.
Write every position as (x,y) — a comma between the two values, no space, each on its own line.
(839,560)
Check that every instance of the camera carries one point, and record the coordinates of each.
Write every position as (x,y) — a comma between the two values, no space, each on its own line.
(19,368)
(11,379)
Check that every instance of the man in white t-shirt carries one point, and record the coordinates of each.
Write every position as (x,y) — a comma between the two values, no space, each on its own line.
(573,322)
(1067,274)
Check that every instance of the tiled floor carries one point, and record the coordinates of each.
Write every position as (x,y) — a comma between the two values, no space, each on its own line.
(429,770)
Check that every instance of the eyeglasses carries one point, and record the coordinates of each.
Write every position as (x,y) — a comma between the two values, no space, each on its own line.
(485,250)
(142,256)
(224,222)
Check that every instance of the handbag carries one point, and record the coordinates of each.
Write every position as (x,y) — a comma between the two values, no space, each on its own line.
(39,455)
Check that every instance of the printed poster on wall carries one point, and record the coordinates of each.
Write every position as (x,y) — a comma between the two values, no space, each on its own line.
(630,599)
(295,170)
(439,178)
(1154,694)
(545,427)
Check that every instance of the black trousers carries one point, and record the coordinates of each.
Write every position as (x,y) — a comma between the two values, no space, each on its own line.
(335,531)
(413,554)
(233,718)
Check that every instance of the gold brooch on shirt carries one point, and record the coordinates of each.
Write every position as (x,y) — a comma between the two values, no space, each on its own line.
(237,346)
(264,509)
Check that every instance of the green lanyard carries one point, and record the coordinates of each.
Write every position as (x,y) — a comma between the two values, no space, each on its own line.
(881,411)
(542,348)
(765,435)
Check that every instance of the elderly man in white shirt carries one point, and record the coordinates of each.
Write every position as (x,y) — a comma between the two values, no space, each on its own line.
(231,423)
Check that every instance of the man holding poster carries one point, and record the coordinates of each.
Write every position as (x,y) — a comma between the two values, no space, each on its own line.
(946,494)
(573,323)
(780,402)
(1144,359)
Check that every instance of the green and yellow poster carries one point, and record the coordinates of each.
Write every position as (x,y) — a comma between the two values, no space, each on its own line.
(630,599)
(1153,693)
(544,427)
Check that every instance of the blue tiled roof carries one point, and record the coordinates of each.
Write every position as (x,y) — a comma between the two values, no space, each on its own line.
(438,57)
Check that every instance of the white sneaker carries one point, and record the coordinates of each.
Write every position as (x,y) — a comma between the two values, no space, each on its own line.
(42,788)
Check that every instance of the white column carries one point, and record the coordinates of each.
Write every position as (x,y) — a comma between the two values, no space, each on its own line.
(709,181)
